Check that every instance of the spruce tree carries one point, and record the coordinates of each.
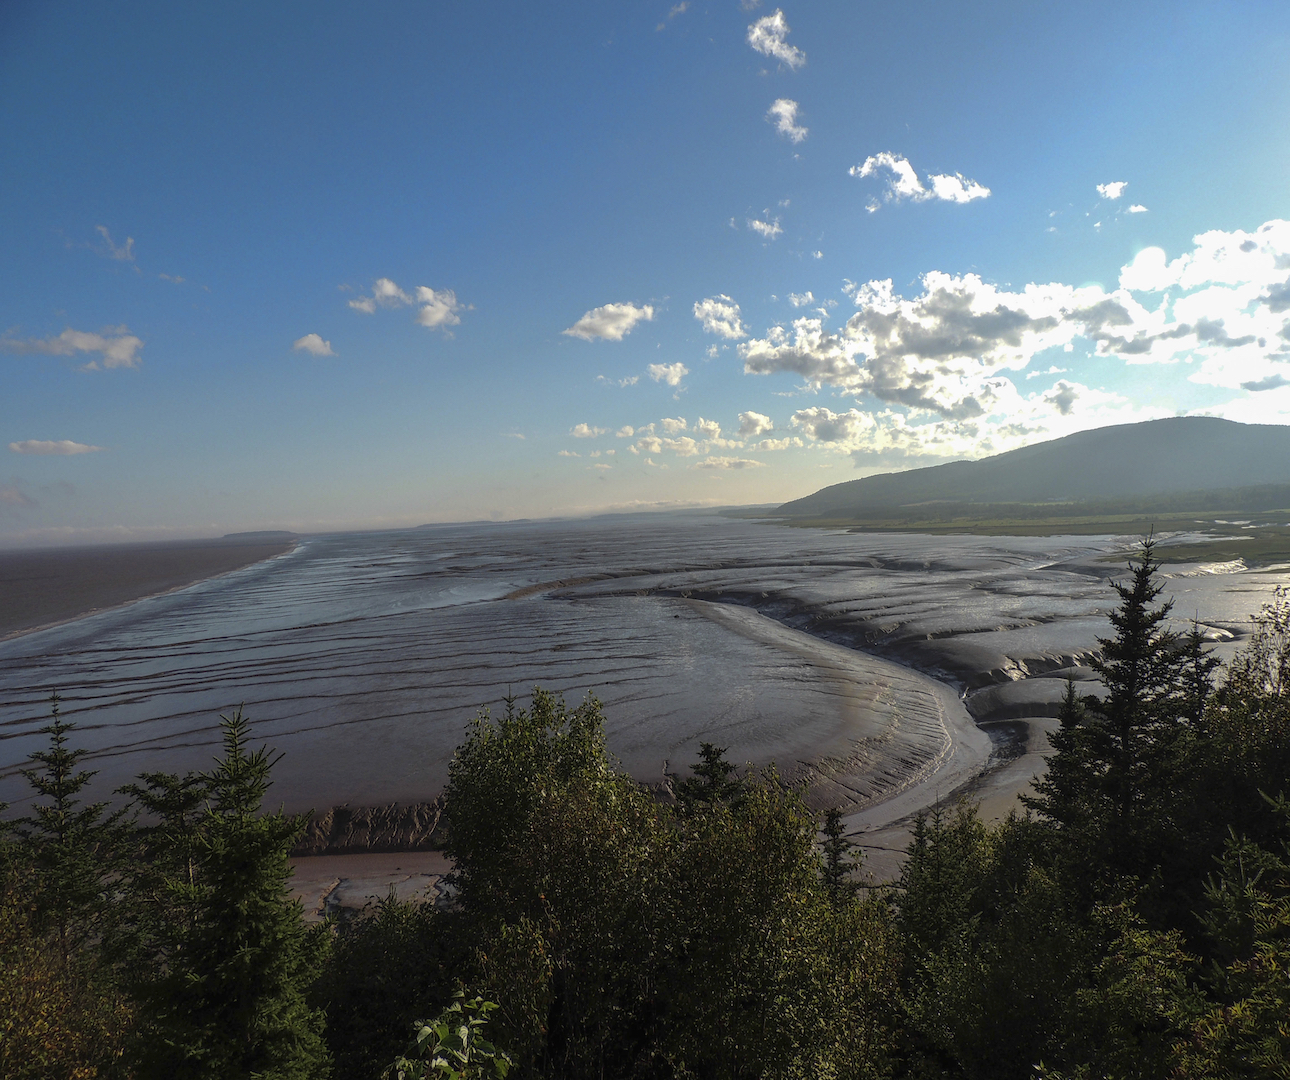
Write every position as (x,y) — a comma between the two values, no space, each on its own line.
(1062,793)
(72,848)
(1134,730)
(1112,781)
(235,959)
(838,861)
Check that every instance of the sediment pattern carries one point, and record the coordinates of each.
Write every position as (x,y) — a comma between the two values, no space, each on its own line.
(362,657)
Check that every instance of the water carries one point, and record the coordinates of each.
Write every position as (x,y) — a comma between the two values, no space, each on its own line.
(363,656)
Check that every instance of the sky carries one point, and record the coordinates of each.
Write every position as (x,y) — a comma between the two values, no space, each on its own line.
(322,266)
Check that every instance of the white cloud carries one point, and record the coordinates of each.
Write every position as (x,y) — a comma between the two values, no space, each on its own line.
(625,432)
(824,425)
(942,351)
(720,315)
(801,299)
(1136,208)
(384,294)
(58,447)
(438,308)
(630,380)
(944,365)
(586,431)
(783,114)
(752,424)
(769,36)
(567,453)
(817,254)
(117,347)
(1113,190)
(314,345)
(612,322)
(903,182)
(672,374)
(600,465)
(673,424)
(767,229)
(777,444)
(708,429)
(728,463)
(123,253)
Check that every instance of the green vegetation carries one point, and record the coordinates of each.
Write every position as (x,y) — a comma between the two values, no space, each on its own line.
(1133,923)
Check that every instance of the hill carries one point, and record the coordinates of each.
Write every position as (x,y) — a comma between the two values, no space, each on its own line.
(1176,461)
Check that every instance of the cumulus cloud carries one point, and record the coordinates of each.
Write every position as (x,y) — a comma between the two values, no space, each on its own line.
(801,299)
(1062,396)
(567,453)
(943,350)
(1054,370)
(586,431)
(769,36)
(944,365)
(720,315)
(625,432)
(672,424)
(777,444)
(612,322)
(1272,382)
(708,429)
(384,294)
(672,374)
(903,182)
(1113,190)
(824,425)
(116,346)
(438,308)
(314,345)
(122,252)
(783,114)
(58,447)
(752,424)
(767,229)
(728,463)
(1137,208)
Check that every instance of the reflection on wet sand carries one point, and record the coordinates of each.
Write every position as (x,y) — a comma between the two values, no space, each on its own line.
(840,657)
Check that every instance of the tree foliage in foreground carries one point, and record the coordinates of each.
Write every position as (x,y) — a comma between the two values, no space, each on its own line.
(1135,924)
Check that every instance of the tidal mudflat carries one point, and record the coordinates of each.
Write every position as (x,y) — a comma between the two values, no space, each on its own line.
(867,665)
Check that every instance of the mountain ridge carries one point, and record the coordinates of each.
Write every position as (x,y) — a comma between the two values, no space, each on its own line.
(1150,458)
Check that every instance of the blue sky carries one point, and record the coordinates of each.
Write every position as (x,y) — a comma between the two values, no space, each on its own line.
(323,266)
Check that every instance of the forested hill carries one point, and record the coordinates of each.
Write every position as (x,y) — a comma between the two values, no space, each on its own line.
(1157,457)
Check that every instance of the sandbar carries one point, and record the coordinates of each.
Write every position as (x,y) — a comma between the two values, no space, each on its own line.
(55,585)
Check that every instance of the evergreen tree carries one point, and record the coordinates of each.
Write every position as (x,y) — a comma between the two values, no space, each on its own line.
(839,863)
(1061,793)
(234,957)
(712,782)
(72,849)
(1114,775)
(1198,667)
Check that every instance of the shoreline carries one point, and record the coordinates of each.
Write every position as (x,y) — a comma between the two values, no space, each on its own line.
(52,587)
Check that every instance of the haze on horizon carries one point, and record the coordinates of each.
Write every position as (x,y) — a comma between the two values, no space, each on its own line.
(314,267)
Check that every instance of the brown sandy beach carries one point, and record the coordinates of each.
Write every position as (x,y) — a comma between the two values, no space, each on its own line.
(44,587)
